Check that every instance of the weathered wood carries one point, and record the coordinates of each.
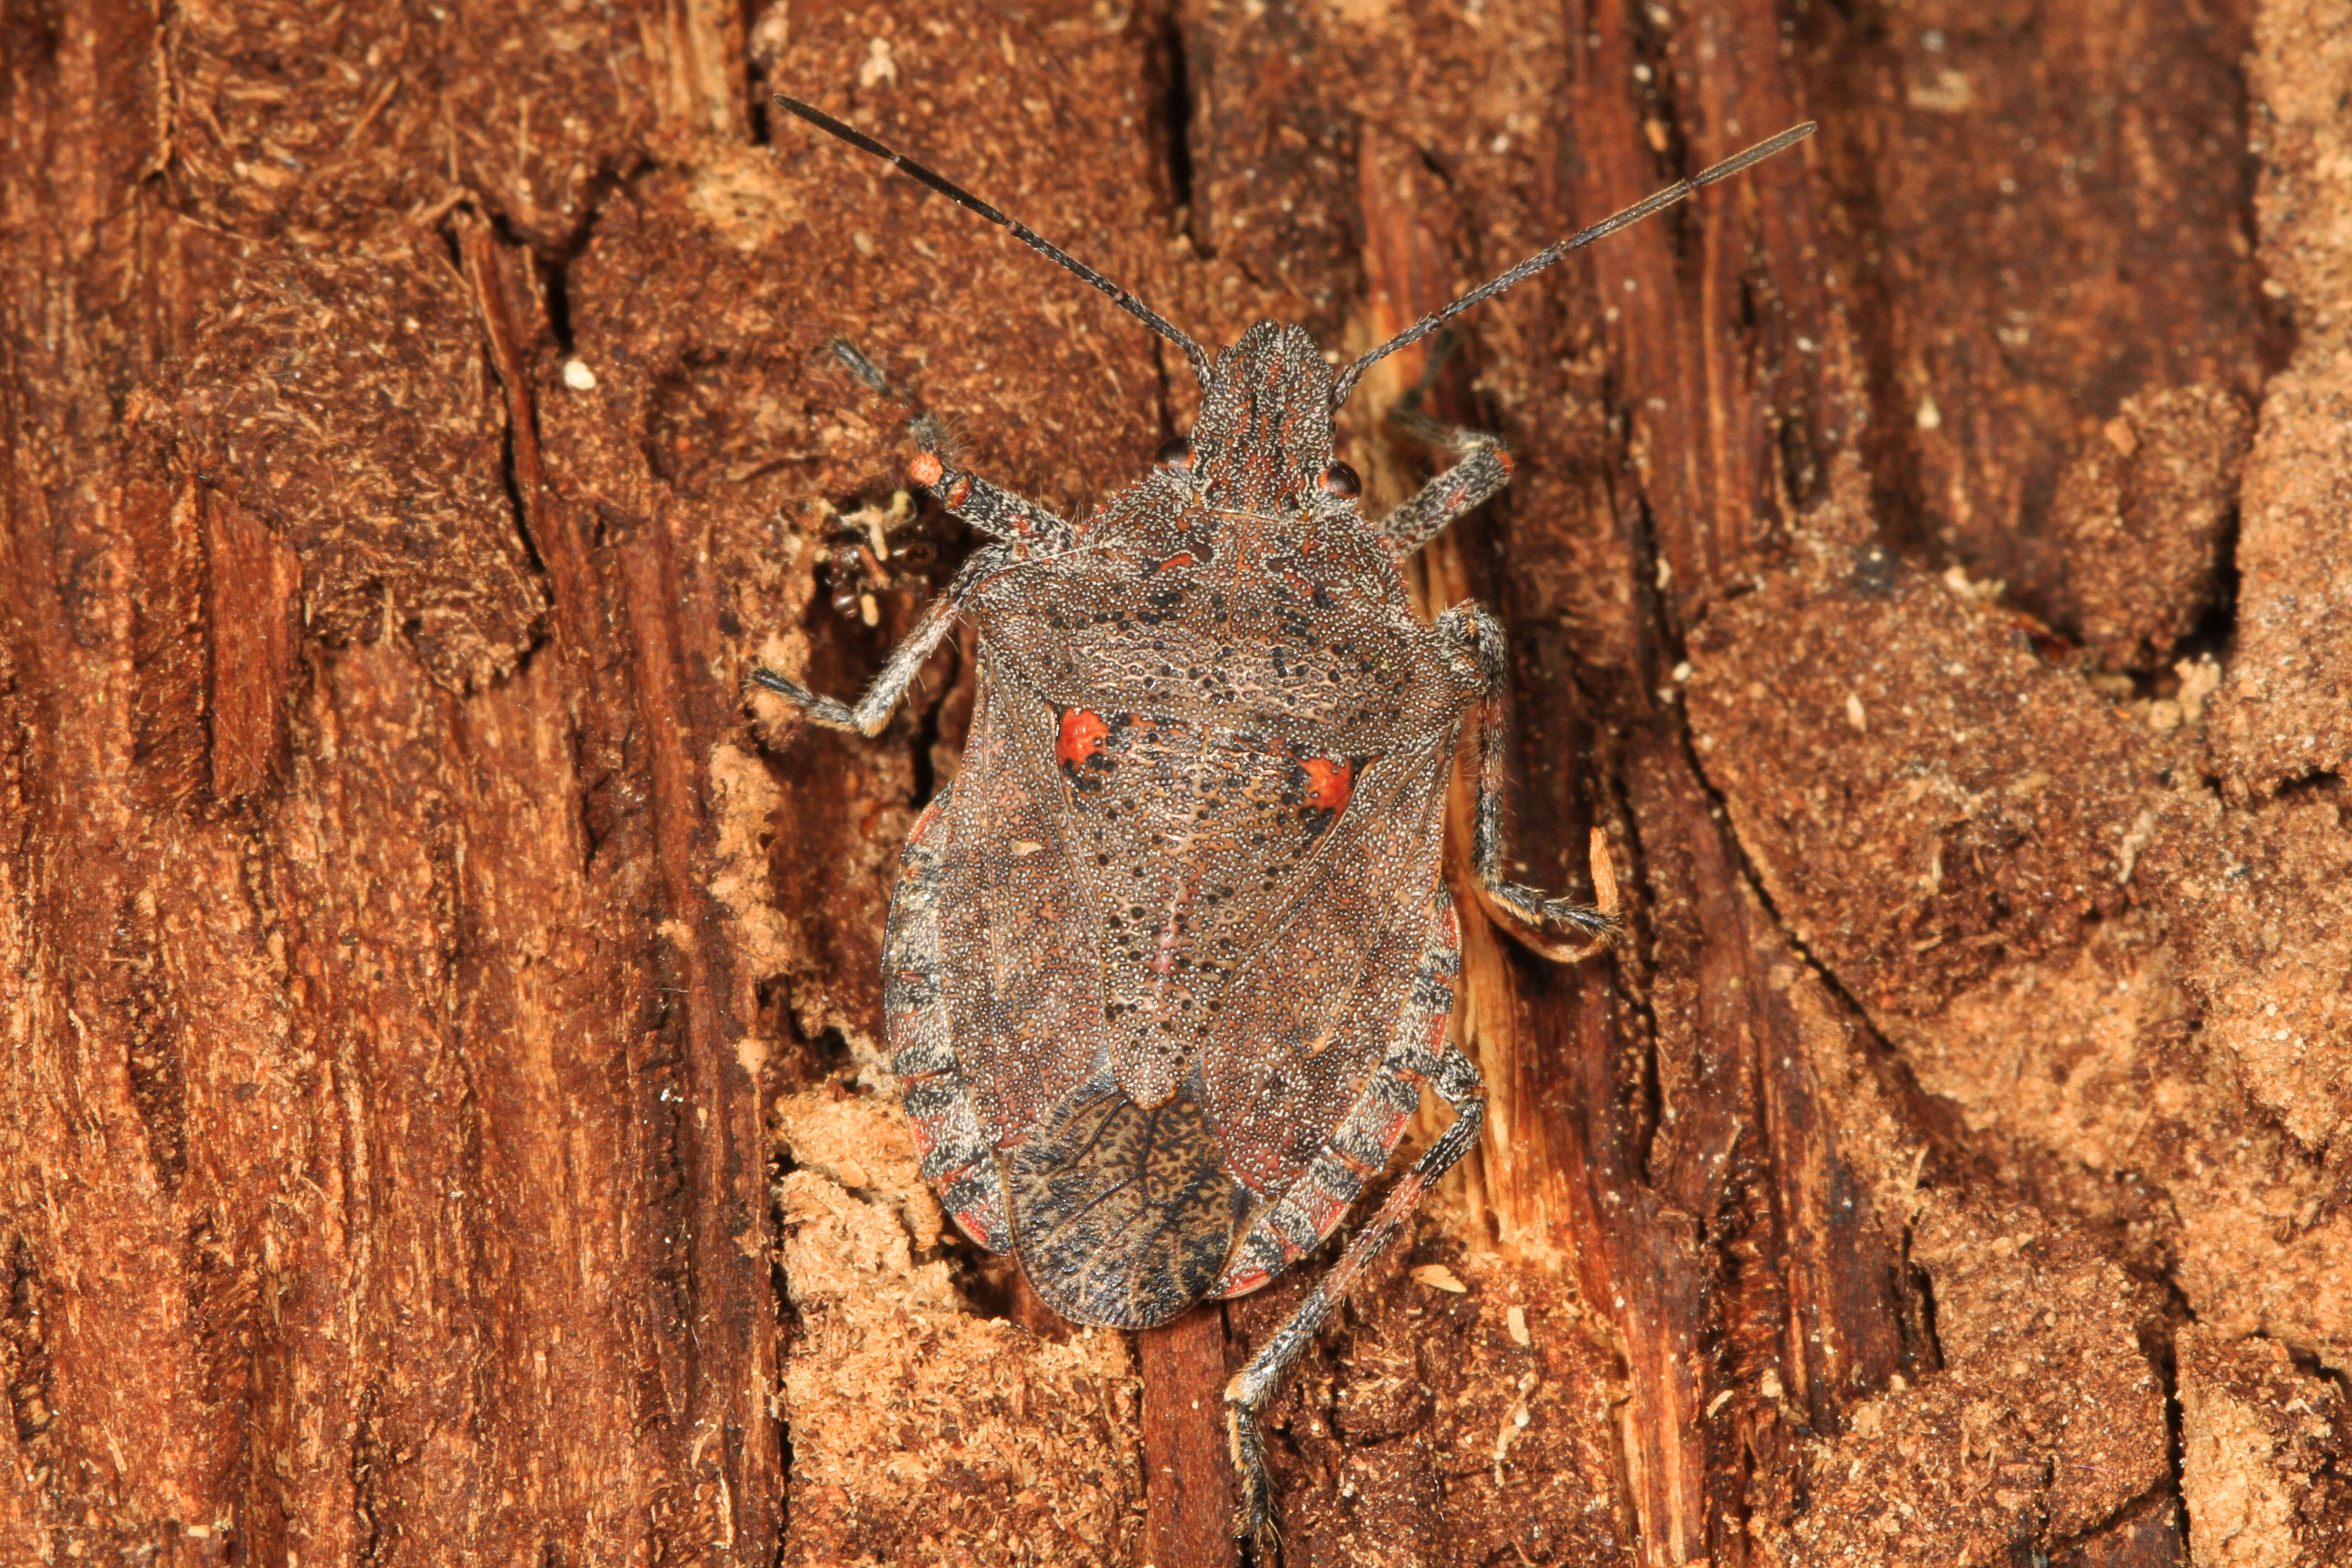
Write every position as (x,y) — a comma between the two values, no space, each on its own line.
(446,1116)
(1188,1489)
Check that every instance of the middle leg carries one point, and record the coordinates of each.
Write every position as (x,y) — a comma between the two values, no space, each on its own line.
(1476,632)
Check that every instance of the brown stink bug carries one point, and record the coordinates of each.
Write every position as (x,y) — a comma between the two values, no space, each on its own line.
(1170,962)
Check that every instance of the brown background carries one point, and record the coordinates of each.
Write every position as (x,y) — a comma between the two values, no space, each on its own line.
(445,1119)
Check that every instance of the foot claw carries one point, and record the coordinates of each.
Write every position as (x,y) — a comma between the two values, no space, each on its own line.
(820,711)
(1528,916)
(762,676)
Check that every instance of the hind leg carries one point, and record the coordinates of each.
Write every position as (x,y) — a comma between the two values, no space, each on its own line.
(1355,1152)
(1455,1079)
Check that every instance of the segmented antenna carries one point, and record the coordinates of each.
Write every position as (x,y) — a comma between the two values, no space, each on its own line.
(1577,241)
(1193,351)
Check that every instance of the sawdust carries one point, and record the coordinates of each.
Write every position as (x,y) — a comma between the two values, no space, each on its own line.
(923,1433)
(320,404)
(2282,715)
(2046,1419)
(2140,518)
(2266,1456)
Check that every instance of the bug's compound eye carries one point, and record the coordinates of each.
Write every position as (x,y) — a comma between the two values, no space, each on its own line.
(926,469)
(1340,481)
(1175,455)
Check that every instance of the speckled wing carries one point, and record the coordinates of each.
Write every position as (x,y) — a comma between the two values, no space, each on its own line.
(1120,1214)
(1020,980)
(1304,1025)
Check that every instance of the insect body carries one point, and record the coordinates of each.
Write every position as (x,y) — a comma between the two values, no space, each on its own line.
(1169,964)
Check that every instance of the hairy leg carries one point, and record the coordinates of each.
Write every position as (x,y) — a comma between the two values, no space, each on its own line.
(1483,469)
(1029,529)
(873,710)
(990,507)
(1471,628)
(1456,1080)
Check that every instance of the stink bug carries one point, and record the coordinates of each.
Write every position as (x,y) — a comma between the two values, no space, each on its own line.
(1170,963)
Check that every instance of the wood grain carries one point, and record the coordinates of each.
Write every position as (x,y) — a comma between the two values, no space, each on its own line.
(447,1114)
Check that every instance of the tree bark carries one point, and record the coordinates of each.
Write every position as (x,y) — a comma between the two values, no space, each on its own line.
(448,1115)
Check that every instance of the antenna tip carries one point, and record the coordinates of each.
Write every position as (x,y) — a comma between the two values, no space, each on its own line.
(1754,156)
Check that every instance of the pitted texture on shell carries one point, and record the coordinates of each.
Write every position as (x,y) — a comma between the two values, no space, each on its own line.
(1189,839)
(1356,1149)
(1182,907)
(1263,438)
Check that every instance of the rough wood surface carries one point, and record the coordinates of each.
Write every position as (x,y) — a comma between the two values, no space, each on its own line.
(445,1114)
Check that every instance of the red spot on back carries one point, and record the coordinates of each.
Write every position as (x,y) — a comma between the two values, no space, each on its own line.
(1083,733)
(1330,780)
(1185,559)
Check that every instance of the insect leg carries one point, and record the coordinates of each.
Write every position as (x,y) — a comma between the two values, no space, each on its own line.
(1484,468)
(1029,528)
(1476,632)
(1456,1080)
(873,710)
(992,509)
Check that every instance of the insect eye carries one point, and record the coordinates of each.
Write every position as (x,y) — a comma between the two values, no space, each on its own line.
(1340,481)
(1175,453)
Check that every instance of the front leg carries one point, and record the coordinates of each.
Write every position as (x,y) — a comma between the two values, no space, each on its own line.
(1483,469)
(1029,528)
(1474,631)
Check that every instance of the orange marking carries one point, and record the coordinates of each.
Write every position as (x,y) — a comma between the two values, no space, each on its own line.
(1083,733)
(1505,458)
(1186,559)
(1323,1211)
(1243,1284)
(958,493)
(926,468)
(1329,783)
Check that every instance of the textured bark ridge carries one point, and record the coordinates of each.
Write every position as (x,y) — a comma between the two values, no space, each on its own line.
(444,1116)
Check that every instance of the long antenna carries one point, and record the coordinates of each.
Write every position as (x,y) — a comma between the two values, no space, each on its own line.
(1193,351)
(1577,241)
